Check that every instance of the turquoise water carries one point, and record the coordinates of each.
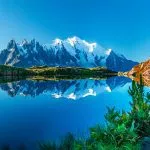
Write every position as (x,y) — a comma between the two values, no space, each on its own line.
(33,111)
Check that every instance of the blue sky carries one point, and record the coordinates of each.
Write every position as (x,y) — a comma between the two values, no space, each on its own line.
(123,25)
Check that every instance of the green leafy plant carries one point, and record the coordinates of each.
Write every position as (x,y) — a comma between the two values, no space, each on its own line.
(123,127)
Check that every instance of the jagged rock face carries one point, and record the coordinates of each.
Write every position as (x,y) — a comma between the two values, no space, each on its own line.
(119,63)
(70,52)
(143,69)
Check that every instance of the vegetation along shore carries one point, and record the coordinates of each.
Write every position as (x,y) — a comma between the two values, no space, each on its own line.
(56,71)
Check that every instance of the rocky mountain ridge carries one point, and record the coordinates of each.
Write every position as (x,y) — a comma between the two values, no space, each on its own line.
(72,52)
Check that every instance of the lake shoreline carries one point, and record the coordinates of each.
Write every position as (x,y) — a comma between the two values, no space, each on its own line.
(53,73)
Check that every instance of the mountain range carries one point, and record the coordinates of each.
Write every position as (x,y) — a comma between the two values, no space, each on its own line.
(69,52)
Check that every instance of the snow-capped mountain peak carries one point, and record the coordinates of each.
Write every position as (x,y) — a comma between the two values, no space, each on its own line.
(11,44)
(57,41)
(24,42)
(72,51)
(73,41)
(108,51)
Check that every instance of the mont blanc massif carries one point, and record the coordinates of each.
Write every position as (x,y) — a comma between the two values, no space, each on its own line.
(72,52)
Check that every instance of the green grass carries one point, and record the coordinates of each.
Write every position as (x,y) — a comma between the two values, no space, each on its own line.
(71,71)
(48,73)
(6,70)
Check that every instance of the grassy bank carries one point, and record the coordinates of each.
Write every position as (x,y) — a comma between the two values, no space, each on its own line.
(55,72)
(71,71)
(6,70)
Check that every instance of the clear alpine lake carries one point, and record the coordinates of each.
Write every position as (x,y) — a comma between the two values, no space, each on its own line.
(35,111)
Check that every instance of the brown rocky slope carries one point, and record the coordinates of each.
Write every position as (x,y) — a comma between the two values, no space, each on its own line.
(143,69)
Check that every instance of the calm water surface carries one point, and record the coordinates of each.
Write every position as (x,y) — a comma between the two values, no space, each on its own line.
(32,111)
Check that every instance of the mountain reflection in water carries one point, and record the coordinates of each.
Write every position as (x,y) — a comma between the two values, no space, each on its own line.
(70,89)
